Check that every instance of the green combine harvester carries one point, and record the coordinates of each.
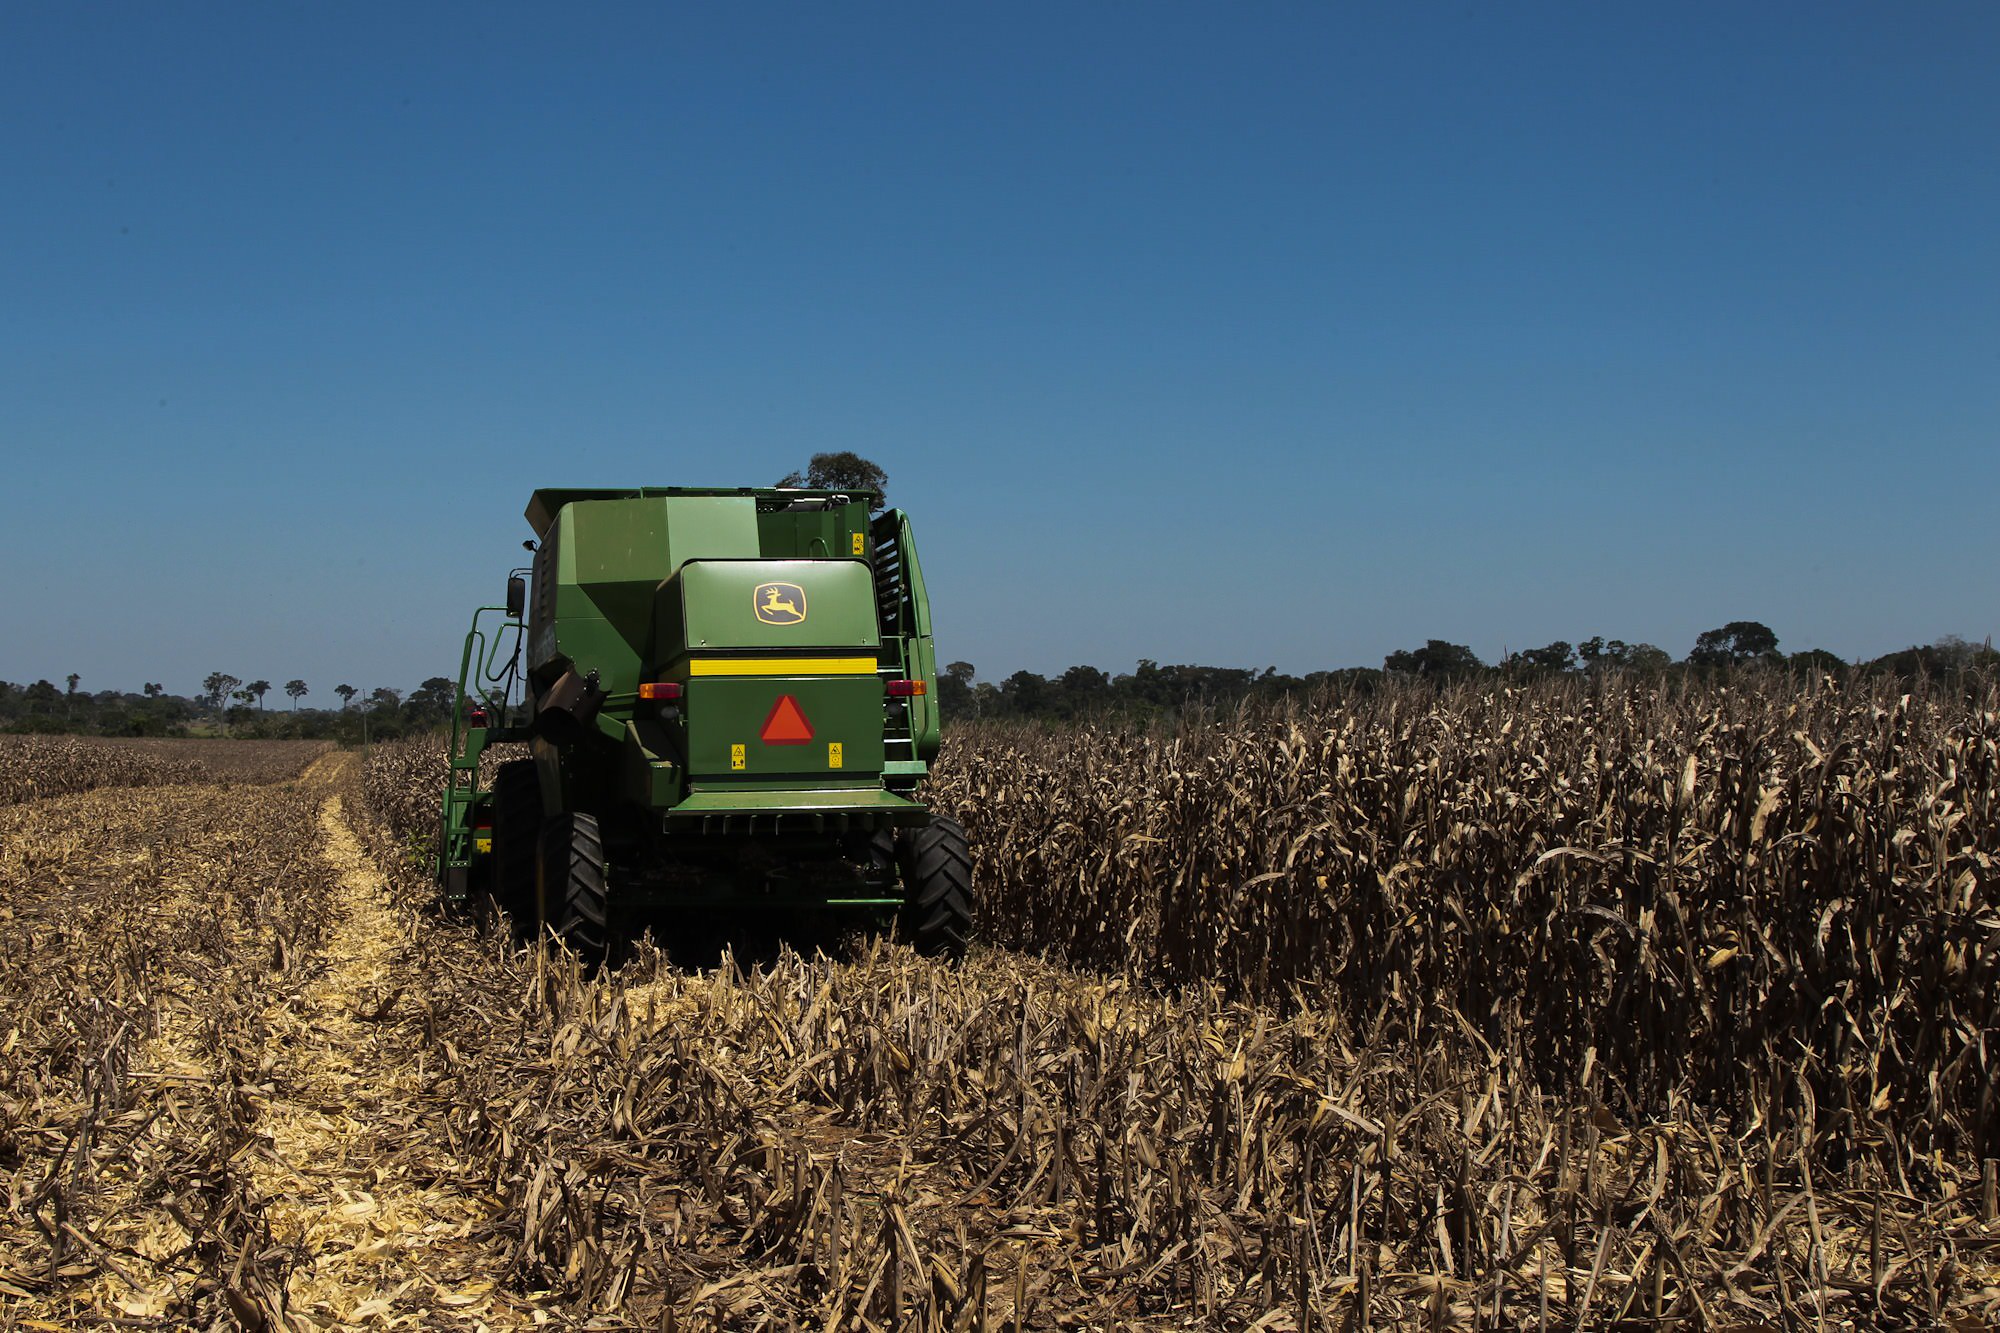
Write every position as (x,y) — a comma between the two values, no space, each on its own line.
(730,703)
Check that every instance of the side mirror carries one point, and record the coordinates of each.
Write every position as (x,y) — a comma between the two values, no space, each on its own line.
(517,596)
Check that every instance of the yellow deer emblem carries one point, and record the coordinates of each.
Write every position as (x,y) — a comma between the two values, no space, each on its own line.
(780,603)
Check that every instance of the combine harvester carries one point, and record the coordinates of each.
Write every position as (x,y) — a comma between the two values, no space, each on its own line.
(730,703)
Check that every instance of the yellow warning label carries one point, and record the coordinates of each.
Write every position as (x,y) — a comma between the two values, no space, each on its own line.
(833,754)
(736,756)
(858,540)
(482,844)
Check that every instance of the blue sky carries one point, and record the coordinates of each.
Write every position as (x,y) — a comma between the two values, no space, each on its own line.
(1277,335)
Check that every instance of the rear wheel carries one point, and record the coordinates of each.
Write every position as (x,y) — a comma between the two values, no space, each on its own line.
(573,894)
(937,888)
(517,824)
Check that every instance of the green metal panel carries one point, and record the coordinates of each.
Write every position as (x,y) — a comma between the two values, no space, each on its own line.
(651,778)
(726,712)
(610,556)
(545,504)
(835,532)
(710,528)
(768,605)
(924,728)
(829,800)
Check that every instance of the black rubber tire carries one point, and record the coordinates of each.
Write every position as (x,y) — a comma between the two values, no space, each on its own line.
(574,895)
(517,831)
(937,889)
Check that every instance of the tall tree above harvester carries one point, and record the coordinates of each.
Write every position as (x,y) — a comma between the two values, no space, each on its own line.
(1734,644)
(843,471)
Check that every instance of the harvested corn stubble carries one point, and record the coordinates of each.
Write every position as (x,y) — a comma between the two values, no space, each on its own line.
(1618,1002)
(1583,1003)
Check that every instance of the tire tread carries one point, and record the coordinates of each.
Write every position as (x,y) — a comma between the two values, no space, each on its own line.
(573,846)
(939,899)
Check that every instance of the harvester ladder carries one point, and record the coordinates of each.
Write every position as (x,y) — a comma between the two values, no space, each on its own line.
(892,613)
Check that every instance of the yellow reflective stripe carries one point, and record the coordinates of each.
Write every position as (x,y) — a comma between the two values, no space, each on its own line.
(781,666)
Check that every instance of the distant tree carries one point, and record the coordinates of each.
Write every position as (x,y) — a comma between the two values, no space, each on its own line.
(1556,657)
(1084,681)
(1736,643)
(257,689)
(1816,659)
(1949,651)
(1597,654)
(1436,660)
(1025,692)
(955,697)
(41,696)
(1945,656)
(245,696)
(153,690)
(218,686)
(298,690)
(385,697)
(1644,657)
(431,701)
(842,471)
(73,678)
(346,693)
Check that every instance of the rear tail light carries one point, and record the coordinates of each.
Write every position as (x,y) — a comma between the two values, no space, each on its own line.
(907,689)
(664,690)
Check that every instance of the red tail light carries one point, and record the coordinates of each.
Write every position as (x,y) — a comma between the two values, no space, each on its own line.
(666,690)
(906,689)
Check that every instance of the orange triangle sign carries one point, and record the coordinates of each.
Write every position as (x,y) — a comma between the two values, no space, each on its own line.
(787,724)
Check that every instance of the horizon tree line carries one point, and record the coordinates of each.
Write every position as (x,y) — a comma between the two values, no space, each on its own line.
(1079,690)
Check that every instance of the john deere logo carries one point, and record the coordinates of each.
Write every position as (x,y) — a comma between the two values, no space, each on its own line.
(780,603)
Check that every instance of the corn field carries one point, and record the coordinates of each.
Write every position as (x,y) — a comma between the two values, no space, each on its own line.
(1563,1008)
(1769,902)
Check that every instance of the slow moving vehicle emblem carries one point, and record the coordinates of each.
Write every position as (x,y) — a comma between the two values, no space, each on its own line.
(780,603)
(787,724)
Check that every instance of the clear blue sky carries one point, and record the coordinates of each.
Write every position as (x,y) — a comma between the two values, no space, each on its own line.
(1281,334)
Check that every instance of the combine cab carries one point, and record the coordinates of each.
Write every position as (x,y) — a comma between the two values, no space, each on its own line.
(729,699)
